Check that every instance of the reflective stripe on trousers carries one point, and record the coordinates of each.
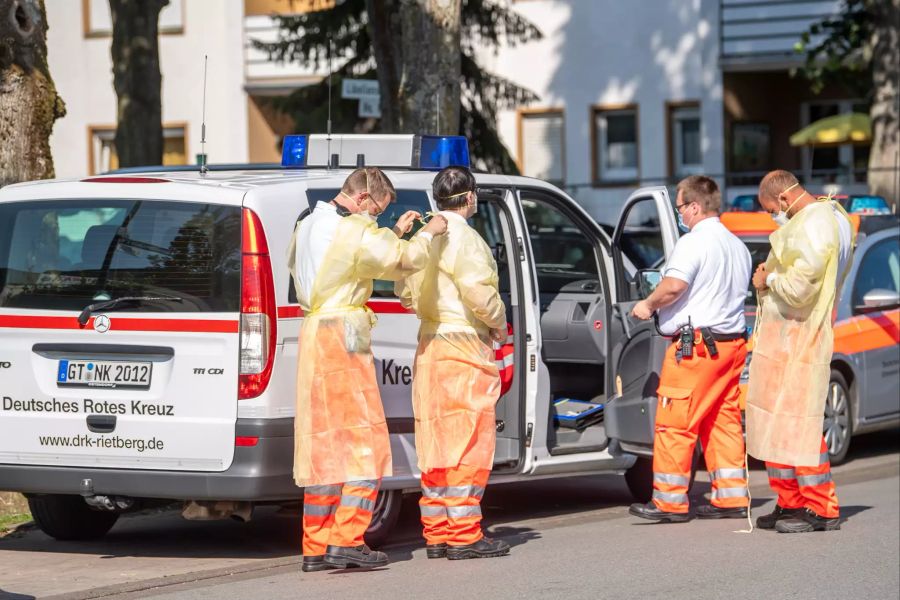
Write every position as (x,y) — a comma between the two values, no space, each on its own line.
(337,515)
(451,505)
(806,487)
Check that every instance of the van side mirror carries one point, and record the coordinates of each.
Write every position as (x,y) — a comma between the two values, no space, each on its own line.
(647,280)
(879,299)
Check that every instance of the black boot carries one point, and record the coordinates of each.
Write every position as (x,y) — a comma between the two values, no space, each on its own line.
(768,521)
(314,563)
(340,557)
(483,548)
(714,512)
(436,550)
(807,521)
(651,512)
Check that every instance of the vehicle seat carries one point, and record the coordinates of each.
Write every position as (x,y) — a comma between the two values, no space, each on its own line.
(95,246)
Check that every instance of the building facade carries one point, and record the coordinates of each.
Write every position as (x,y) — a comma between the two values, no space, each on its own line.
(632,93)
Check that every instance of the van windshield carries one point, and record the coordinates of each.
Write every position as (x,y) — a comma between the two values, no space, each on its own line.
(66,254)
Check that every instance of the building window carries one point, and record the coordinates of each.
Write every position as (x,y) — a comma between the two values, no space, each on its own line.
(615,141)
(847,163)
(541,144)
(103,156)
(97,18)
(685,153)
(267,8)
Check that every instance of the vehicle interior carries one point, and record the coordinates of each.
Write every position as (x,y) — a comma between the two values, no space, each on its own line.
(573,320)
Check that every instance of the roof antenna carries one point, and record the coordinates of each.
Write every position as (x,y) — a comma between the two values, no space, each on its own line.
(328,138)
(203,168)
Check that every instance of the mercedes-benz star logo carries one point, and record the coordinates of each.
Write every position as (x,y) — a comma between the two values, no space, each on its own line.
(101,323)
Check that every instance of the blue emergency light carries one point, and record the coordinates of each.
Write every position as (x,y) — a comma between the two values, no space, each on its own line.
(438,152)
(405,151)
(294,150)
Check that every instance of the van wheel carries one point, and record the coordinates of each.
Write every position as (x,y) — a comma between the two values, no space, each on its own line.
(69,517)
(640,477)
(838,424)
(384,517)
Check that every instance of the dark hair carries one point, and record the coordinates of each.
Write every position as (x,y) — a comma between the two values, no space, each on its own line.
(703,191)
(451,181)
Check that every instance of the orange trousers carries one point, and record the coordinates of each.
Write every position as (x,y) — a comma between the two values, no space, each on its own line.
(451,505)
(806,487)
(698,397)
(337,515)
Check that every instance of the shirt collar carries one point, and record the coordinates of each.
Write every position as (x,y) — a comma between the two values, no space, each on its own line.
(328,206)
(706,223)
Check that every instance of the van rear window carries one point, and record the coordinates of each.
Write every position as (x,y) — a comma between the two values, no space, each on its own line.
(66,254)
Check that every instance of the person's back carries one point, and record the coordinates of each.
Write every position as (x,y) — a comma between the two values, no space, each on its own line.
(457,289)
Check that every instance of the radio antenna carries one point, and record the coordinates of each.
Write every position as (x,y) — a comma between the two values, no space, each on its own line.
(203,168)
(437,111)
(328,125)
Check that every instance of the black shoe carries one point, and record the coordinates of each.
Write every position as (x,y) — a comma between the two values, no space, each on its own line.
(340,557)
(436,550)
(314,563)
(651,512)
(714,512)
(483,548)
(768,521)
(806,521)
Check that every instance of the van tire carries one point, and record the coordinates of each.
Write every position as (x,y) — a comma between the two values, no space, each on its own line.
(69,517)
(640,477)
(384,517)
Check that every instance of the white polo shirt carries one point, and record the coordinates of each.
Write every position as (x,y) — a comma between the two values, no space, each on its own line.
(716,265)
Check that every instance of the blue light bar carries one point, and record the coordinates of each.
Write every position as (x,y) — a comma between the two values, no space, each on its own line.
(294,150)
(438,152)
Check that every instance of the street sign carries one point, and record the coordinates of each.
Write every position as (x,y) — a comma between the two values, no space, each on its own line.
(356,89)
(370,107)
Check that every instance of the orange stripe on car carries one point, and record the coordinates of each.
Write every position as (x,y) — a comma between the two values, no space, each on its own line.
(867,332)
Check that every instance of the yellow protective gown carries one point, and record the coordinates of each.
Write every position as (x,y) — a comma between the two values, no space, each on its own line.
(456,383)
(790,369)
(340,433)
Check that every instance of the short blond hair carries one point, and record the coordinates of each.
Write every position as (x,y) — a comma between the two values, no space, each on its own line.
(702,190)
(371,179)
(776,182)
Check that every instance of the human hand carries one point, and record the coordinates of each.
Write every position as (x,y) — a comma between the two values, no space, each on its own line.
(499,335)
(759,277)
(436,226)
(642,310)
(405,222)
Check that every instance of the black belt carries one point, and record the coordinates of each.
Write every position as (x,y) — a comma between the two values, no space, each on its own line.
(720,337)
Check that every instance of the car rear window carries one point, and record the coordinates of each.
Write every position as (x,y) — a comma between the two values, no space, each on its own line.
(66,254)
(759,252)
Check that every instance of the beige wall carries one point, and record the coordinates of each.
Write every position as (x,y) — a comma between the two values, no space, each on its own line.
(266,126)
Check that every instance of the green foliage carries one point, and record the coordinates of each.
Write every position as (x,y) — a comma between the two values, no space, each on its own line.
(343,31)
(836,49)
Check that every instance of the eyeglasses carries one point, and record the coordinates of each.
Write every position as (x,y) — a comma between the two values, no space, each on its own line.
(678,207)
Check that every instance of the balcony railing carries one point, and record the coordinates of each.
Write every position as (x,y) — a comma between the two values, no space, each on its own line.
(762,33)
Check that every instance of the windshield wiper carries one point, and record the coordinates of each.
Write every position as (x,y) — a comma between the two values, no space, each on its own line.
(109,304)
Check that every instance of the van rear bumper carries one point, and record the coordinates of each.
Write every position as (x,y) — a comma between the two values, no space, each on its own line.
(257,473)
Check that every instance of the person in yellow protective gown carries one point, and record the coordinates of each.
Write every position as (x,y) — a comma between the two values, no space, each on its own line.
(790,369)
(342,449)
(456,383)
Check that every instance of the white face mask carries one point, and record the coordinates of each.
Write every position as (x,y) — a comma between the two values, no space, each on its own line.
(781,217)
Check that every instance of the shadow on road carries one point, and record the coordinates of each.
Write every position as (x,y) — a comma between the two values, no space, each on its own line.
(4,595)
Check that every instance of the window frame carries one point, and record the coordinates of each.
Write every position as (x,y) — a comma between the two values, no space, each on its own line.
(598,177)
(102,130)
(673,138)
(524,113)
(856,303)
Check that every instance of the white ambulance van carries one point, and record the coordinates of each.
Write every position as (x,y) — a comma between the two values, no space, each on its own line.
(148,332)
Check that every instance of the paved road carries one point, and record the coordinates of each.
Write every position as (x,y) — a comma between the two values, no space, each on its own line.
(573,539)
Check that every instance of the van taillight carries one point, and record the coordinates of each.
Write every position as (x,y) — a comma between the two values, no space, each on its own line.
(258,319)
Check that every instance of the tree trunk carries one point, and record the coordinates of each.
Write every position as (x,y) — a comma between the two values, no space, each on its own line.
(884,159)
(137,80)
(417,51)
(29,104)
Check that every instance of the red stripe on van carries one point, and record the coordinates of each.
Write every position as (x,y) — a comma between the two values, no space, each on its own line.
(382,307)
(121,324)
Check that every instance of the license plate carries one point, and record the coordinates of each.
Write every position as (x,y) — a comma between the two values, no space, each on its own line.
(104,374)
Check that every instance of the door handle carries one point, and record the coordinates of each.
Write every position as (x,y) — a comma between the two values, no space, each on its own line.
(624,317)
(101,423)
